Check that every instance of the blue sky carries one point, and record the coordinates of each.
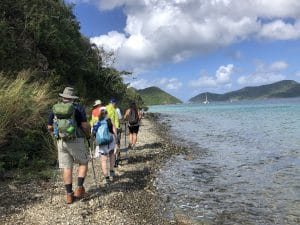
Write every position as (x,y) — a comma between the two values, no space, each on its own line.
(187,47)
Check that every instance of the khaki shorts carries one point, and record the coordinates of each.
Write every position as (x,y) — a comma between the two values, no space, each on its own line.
(70,152)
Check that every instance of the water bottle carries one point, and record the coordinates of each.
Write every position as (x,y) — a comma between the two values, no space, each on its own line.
(71,127)
(55,128)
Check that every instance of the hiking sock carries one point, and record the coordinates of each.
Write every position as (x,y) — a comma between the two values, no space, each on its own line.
(116,162)
(69,188)
(80,181)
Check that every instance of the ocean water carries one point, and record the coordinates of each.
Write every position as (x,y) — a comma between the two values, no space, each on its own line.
(245,164)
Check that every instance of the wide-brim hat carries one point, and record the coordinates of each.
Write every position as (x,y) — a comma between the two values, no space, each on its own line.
(97,102)
(68,93)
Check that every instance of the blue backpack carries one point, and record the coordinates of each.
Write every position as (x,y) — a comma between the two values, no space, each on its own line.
(103,136)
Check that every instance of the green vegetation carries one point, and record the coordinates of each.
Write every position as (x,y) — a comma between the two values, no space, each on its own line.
(281,89)
(43,38)
(156,96)
(23,107)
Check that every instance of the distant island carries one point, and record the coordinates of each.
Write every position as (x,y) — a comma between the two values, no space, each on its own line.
(156,96)
(281,89)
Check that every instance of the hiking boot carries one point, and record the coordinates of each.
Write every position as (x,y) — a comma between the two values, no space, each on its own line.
(79,192)
(70,198)
(112,175)
(106,182)
(129,146)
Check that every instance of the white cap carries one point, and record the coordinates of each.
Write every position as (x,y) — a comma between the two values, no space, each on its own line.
(103,109)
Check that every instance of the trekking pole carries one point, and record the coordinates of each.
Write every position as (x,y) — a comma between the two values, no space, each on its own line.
(93,168)
(55,176)
(126,157)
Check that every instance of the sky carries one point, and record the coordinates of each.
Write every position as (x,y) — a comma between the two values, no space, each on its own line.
(187,47)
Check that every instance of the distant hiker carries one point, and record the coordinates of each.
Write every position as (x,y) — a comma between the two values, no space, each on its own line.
(68,124)
(133,116)
(105,133)
(113,115)
(96,112)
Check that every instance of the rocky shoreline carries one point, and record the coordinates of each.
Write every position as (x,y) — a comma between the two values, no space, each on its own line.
(130,199)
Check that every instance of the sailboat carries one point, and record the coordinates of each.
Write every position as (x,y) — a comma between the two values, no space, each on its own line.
(206,101)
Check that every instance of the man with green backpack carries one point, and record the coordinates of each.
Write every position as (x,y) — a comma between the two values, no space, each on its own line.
(68,124)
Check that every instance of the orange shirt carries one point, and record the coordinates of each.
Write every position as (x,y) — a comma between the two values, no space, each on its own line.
(96,112)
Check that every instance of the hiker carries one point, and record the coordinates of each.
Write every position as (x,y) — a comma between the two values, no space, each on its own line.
(133,116)
(96,112)
(68,124)
(112,113)
(114,116)
(105,133)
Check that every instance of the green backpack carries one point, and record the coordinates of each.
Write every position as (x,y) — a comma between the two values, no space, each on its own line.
(64,124)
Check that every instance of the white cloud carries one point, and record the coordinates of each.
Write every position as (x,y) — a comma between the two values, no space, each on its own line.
(265,74)
(77,1)
(297,74)
(140,84)
(173,30)
(112,41)
(260,79)
(221,78)
(279,30)
(164,83)
(278,66)
(171,84)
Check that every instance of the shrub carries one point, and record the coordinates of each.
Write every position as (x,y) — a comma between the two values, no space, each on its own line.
(23,134)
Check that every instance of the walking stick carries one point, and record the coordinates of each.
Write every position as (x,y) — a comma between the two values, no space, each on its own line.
(93,168)
(55,171)
(125,144)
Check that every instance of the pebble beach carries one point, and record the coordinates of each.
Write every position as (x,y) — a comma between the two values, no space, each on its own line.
(130,199)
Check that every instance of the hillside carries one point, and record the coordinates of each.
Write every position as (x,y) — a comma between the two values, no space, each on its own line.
(281,89)
(156,96)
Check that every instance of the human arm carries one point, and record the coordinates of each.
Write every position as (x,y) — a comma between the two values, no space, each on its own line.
(126,114)
(116,119)
(86,129)
(50,122)
(112,129)
(80,117)
(140,115)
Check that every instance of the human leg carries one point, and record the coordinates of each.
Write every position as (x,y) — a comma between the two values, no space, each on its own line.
(135,131)
(103,160)
(111,166)
(134,139)
(77,150)
(66,163)
(80,190)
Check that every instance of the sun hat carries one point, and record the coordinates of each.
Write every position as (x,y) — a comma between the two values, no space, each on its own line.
(97,102)
(113,100)
(68,93)
(103,109)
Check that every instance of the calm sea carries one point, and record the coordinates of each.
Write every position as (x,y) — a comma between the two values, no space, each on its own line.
(245,167)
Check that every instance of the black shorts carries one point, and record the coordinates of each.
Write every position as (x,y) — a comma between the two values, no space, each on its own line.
(134,129)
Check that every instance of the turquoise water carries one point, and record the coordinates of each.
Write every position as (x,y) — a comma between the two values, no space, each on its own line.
(246,162)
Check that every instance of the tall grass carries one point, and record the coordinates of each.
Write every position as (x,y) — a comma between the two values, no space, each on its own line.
(23,113)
